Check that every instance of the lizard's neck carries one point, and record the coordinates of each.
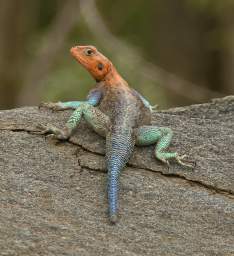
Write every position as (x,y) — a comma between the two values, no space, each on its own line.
(114,78)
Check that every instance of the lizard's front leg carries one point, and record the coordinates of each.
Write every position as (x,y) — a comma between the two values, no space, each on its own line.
(57,106)
(148,135)
(94,117)
(93,99)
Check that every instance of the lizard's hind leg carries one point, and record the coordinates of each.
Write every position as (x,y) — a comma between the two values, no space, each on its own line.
(94,117)
(148,135)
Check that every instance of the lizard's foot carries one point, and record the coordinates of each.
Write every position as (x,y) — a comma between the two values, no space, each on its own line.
(53,132)
(54,106)
(154,107)
(180,159)
(165,161)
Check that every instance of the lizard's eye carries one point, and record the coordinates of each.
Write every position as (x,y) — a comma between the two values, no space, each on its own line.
(88,52)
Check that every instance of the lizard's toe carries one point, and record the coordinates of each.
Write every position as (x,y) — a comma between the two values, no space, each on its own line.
(62,136)
(165,161)
(180,159)
(50,131)
(50,105)
(42,129)
(154,107)
(44,105)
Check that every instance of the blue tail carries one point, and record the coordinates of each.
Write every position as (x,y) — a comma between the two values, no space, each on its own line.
(113,189)
(119,149)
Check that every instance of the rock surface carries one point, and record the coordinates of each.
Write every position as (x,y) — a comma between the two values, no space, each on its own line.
(53,195)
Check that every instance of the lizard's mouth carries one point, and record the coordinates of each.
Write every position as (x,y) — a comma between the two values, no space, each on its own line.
(77,54)
(74,52)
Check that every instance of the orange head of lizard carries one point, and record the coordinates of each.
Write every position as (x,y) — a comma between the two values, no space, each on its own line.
(89,57)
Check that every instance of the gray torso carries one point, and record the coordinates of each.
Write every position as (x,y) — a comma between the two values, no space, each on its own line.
(125,109)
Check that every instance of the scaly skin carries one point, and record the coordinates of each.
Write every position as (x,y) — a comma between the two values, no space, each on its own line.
(117,112)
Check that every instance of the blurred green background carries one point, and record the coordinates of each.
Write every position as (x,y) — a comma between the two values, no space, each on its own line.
(174,52)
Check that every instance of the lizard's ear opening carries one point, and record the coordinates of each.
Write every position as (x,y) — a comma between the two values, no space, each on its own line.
(100,66)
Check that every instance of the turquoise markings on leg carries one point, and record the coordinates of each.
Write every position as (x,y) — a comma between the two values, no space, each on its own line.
(93,116)
(74,119)
(163,144)
(93,99)
(71,104)
(77,104)
(148,135)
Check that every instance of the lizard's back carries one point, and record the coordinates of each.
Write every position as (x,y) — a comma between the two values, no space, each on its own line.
(126,112)
(124,108)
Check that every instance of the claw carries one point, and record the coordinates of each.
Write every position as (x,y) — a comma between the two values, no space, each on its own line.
(42,130)
(179,160)
(41,105)
(154,107)
(54,106)
(51,137)
(50,131)
(165,162)
(45,105)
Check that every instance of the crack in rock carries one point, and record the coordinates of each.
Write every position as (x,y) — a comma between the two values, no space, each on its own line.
(228,193)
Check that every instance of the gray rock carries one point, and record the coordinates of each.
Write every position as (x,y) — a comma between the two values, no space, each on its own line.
(53,195)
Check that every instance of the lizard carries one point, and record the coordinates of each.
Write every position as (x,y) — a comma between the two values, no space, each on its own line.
(116,112)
